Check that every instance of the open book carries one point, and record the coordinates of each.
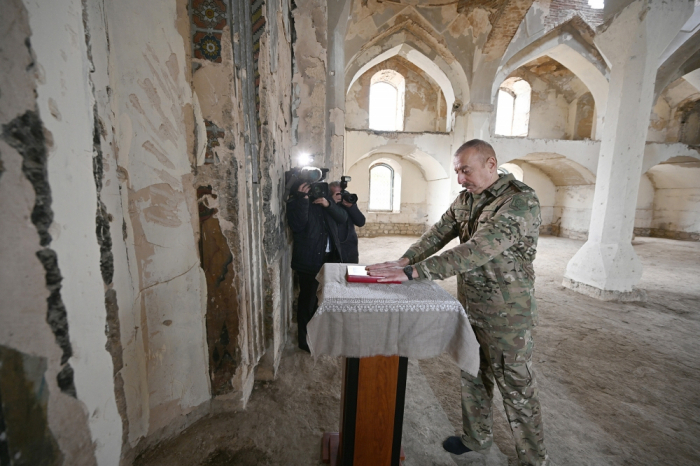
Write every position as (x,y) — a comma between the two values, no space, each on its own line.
(358,274)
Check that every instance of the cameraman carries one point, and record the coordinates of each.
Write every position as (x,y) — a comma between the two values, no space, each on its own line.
(315,226)
(346,230)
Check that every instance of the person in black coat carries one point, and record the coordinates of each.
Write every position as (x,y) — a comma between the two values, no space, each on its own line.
(346,230)
(315,227)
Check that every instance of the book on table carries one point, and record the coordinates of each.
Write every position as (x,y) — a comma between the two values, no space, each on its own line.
(358,274)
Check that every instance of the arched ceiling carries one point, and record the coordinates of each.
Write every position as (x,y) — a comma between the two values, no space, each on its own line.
(568,48)
(562,171)
(555,75)
(431,168)
(682,55)
(408,38)
(422,62)
(676,173)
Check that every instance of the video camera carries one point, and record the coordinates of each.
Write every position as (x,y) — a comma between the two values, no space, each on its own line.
(347,197)
(313,176)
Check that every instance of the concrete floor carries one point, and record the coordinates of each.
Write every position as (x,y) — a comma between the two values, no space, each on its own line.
(618,381)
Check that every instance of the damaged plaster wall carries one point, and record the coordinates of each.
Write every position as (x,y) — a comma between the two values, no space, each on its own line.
(424,103)
(667,115)
(220,199)
(275,66)
(34,336)
(78,232)
(148,190)
(309,82)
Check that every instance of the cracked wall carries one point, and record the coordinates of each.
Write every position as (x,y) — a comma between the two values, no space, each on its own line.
(309,81)
(671,112)
(275,67)
(47,125)
(220,203)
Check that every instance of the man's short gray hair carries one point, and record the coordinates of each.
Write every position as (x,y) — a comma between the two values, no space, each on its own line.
(334,184)
(483,148)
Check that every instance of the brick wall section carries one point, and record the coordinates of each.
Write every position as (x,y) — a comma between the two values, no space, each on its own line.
(370,230)
(561,11)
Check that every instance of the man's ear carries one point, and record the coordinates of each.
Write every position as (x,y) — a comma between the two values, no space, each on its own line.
(492,163)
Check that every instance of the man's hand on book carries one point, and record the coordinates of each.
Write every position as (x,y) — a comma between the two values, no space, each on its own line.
(391,271)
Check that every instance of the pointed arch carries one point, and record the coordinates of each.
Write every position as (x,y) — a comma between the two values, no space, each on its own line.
(565,49)
(421,61)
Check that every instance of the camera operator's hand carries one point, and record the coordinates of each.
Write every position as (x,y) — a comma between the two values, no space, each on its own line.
(323,201)
(347,204)
(304,189)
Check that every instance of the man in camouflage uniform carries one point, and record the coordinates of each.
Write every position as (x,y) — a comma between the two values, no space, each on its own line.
(497,220)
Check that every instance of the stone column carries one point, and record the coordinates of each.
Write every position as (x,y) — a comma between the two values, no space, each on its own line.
(478,121)
(607,266)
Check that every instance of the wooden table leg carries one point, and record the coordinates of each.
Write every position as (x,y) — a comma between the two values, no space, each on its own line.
(374,391)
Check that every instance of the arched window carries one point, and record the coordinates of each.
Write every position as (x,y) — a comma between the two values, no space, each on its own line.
(513,112)
(386,101)
(381,188)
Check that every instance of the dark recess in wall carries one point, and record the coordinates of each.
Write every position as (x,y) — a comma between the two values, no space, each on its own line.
(25,437)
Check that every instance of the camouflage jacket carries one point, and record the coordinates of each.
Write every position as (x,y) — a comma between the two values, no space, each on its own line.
(498,231)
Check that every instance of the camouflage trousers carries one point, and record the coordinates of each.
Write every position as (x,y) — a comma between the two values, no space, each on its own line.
(505,361)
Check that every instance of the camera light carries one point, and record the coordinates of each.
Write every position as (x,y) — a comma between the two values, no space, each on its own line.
(304,159)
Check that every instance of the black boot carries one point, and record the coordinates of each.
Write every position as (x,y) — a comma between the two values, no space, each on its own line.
(454,445)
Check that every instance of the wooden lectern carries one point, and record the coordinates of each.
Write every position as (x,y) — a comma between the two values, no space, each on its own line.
(371,422)
(361,322)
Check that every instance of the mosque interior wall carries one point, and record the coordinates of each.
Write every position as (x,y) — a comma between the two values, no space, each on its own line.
(143,147)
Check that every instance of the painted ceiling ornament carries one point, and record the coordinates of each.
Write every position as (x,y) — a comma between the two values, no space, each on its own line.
(210,13)
(210,47)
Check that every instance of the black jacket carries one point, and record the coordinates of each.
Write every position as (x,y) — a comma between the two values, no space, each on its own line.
(348,235)
(312,225)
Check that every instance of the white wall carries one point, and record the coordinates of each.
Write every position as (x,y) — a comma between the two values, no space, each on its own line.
(572,210)
(549,113)
(414,191)
(645,204)
(677,199)
(544,188)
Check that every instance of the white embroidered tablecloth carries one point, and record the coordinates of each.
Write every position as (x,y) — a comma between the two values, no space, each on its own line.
(416,319)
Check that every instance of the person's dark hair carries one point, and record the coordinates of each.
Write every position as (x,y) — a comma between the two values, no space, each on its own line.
(334,184)
(483,148)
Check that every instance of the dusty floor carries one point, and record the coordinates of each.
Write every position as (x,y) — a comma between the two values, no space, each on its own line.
(619,382)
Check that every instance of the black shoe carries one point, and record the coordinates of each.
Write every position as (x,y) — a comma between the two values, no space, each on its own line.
(454,445)
(304,348)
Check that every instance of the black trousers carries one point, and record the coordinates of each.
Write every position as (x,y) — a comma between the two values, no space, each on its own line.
(307,304)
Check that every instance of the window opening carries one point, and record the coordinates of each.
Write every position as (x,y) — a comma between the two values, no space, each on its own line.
(386,101)
(381,188)
(513,111)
